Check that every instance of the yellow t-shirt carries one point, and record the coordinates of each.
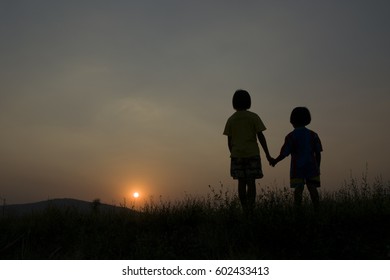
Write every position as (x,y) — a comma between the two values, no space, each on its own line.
(243,127)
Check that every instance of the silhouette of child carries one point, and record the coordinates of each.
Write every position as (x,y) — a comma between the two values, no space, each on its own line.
(305,149)
(242,128)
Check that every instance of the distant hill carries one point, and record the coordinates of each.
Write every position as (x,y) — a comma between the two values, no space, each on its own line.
(62,203)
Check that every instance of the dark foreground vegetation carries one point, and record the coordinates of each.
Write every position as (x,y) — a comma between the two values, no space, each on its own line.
(354,223)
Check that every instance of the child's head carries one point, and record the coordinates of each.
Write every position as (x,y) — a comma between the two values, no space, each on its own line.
(300,116)
(241,100)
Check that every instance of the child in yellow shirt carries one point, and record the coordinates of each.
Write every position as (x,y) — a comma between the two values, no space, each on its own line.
(243,129)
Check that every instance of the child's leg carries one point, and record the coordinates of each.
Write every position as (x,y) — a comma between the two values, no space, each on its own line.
(251,194)
(242,192)
(298,193)
(315,198)
(247,193)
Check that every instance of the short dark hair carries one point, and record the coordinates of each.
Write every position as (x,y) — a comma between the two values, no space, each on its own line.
(241,100)
(300,116)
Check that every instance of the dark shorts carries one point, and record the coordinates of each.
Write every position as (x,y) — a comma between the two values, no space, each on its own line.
(300,182)
(246,168)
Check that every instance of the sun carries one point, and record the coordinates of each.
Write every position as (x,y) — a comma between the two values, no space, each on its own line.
(136,195)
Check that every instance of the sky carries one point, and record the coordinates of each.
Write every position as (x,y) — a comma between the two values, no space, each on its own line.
(99,99)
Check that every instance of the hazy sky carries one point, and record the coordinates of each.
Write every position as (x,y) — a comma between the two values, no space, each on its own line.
(102,98)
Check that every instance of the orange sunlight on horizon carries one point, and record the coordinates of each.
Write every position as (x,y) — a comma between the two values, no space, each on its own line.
(136,193)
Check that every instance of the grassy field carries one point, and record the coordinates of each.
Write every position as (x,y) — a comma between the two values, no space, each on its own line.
(354,223)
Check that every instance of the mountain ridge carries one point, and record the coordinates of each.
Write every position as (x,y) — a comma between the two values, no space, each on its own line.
(61,203)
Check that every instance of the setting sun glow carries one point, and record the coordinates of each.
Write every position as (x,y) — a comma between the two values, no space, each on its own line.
(136,195)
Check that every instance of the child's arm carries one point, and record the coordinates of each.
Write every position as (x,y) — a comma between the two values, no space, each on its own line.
(275,161)
(318,158)
(230,143)
(263,144)
(284,152)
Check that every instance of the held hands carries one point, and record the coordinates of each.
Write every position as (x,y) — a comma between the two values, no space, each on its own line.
(272,161)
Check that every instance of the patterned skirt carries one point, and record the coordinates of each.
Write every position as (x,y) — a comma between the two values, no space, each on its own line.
(246,168)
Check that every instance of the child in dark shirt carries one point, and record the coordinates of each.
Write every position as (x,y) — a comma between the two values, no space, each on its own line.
(305,149)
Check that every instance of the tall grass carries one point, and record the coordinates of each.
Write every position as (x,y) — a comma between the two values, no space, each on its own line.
(354,223)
